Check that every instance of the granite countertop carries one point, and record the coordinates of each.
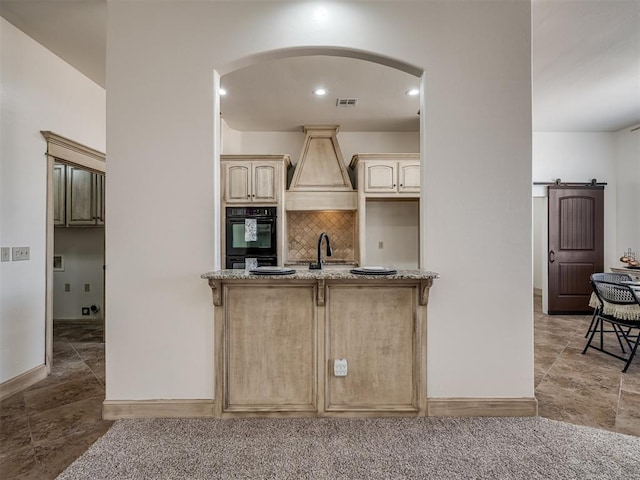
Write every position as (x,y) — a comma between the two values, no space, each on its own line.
(324,274)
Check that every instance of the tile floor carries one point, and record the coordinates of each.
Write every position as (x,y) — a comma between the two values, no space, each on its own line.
(44,428)
(47,426)
(587,389)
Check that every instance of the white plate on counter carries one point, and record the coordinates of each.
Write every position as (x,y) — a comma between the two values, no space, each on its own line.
(272,271)
(373,270)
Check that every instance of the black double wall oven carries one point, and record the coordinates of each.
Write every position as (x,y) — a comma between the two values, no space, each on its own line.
(242,242)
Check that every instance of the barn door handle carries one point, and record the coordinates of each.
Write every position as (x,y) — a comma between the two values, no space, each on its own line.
(552,256)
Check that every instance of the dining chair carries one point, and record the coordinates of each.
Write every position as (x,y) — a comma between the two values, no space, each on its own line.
(620,307)
(604,277)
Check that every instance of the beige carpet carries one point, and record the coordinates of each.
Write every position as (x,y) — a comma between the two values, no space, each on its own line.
(392,448)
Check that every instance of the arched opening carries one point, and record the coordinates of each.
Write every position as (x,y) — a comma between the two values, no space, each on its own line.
(331,51)
(308,54)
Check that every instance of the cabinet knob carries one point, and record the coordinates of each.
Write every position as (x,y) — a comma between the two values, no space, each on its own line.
(401,185)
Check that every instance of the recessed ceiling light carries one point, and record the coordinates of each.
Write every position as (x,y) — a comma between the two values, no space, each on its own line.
(222,92)
(412,92)
(320,91)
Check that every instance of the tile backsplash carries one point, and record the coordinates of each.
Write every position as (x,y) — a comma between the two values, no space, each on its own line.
(305,227)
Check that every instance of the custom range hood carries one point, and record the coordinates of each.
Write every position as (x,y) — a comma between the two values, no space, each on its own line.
(320,179)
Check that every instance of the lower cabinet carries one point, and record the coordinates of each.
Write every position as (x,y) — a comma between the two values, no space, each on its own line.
(270,349)
(277,343)
(374,330)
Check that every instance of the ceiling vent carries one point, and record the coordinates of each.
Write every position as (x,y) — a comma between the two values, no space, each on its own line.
(346,102)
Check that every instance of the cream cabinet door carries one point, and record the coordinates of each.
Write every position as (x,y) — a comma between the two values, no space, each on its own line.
(247,182)
(269,349)
(59,194)
(264,182)
(408,177)
(237,182)
(374,330)
(80,197)
(380,177)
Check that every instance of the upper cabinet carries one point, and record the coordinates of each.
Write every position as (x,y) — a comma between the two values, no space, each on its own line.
(78,196)
(380,177)
(59,194)
(254,179)
(387,174)
(248,182)
(384,181)
(99,194)
(409,176)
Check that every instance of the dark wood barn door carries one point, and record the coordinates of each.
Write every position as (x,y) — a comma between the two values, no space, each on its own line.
(576,246)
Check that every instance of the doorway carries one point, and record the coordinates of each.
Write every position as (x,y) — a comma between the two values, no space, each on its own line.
(65,156)
(576,246)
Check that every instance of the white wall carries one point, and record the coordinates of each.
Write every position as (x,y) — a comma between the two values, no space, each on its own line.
(476,179)
(580,157)
(291,143)
(377,142)
(231,140)
(82,250)
(539,241)
(38,92)
(395,224)
(628,191)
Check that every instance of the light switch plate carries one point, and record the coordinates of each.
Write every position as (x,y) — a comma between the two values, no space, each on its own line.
(20,253)
(6,254)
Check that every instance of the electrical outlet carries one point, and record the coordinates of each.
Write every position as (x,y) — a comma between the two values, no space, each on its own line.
(340,367)
(87,287)
(6,254)
(20,253)
(67,287)
(85,311)
(380,245)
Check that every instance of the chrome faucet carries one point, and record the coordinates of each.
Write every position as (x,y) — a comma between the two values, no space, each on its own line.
(318,266)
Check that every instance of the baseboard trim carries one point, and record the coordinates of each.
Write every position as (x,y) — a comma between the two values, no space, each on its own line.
(436,407)
(118,409)
(22,381)
(482,407)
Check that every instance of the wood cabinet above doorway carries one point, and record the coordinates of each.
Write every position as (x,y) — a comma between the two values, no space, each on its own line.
(78,196)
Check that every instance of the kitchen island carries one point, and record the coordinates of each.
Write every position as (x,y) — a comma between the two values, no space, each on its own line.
(277,339)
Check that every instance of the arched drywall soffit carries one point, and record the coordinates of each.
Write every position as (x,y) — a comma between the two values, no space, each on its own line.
(327,51)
